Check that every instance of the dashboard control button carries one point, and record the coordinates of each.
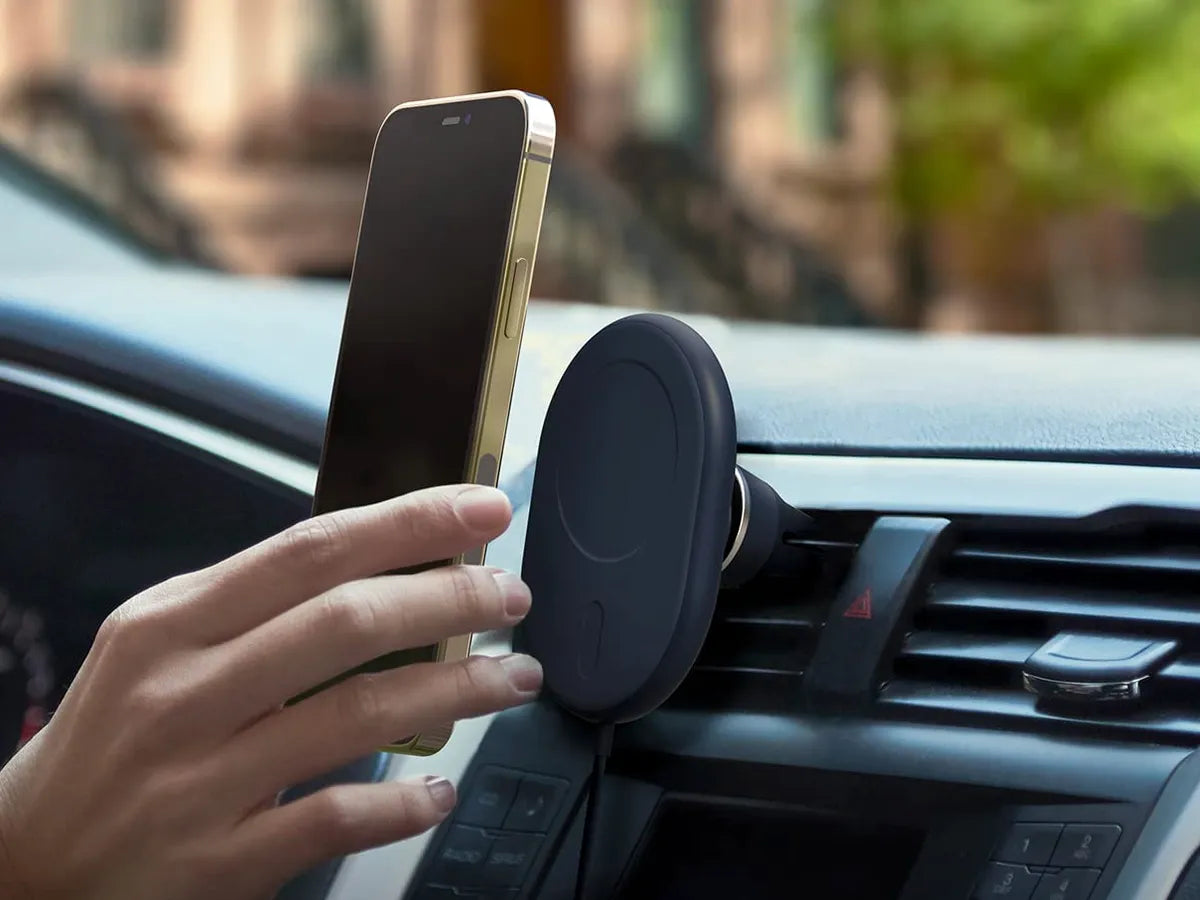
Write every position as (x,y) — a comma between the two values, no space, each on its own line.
(1031,843)
(1002,881)
(1069,884)
(1086,845)
(537,801)
(510,860)
(489,798)
(461,857)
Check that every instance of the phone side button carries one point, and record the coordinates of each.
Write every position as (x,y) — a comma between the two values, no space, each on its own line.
(487,470)
(520,279)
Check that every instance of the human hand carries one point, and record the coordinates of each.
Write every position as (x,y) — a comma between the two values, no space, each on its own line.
(157,776)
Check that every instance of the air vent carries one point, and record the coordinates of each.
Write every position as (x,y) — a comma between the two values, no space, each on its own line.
(999,596)
(763,636)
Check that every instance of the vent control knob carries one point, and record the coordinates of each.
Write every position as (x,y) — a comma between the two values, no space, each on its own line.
(1076,667)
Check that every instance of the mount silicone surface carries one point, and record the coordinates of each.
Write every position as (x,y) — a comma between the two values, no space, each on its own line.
(628,518)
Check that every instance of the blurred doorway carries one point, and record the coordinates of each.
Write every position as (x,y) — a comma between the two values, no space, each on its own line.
(523,44)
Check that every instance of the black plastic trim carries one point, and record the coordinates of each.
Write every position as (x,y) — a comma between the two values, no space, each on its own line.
(1015,761)
(1168,840)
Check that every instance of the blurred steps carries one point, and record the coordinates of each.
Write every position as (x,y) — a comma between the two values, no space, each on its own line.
(771,273)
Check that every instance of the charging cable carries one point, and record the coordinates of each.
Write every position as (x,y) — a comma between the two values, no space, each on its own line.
(591,814)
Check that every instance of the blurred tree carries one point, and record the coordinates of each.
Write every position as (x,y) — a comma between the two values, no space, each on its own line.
(339,45)
(106,29)
(1010,114)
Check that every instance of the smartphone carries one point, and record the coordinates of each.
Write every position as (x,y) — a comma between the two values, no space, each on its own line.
(436,308)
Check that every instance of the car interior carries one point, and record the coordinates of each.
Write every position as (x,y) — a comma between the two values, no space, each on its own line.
(934,770)
(968,668)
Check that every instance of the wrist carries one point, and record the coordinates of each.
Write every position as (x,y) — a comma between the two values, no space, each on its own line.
(13,884)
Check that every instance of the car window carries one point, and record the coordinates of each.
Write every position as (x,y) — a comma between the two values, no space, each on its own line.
(44,230)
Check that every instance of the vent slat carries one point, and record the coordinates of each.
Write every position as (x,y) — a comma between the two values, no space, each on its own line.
(933,698)
(995,649)
(1183,674)
(770,621)
(744,688)
(756,651)
(748,670)
(1183,562)
(1081,604)
(749,643)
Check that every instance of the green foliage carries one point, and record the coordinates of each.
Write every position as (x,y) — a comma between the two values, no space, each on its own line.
(1032,106)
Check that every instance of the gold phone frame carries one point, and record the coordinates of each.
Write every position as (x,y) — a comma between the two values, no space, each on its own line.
(507,327)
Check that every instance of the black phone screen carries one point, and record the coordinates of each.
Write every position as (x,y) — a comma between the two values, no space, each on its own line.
(423,294)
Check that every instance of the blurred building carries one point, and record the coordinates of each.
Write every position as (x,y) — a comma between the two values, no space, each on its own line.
(714,155)
(726,114)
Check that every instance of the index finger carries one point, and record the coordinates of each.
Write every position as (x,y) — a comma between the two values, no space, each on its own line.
(324,551)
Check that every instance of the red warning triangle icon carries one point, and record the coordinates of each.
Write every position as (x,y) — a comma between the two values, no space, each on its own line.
(861,607)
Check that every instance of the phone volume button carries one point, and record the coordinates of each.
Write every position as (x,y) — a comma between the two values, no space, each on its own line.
(520,283)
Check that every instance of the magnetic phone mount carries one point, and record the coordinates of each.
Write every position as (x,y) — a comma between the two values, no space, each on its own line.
(629,518)
(637,507)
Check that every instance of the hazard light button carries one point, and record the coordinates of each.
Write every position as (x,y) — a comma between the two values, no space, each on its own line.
(872,609)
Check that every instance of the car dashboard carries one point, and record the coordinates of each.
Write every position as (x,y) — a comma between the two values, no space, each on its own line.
(1063,474)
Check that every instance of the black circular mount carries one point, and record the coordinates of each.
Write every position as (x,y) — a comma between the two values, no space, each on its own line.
(629,518)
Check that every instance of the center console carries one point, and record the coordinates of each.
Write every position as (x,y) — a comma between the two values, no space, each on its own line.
(761,807)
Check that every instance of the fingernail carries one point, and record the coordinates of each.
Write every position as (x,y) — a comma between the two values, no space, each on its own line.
(482,508)
(524,672)
(516,595)
(441,792)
